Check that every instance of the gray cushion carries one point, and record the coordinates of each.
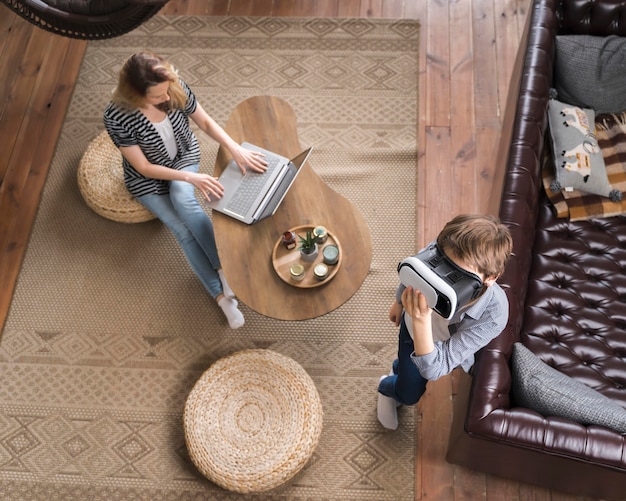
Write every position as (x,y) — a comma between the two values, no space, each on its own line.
(590,72)
(549,392)
(578,161)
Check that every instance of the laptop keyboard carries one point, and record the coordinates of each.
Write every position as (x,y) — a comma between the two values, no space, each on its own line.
(249,188)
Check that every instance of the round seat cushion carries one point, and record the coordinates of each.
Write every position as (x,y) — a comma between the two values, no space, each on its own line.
(101,183)
(252,421)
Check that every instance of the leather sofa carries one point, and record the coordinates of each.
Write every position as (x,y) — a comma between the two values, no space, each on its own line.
(566,284)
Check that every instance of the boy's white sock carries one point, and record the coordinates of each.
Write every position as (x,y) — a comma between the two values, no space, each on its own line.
(233,315)
(387,411)
(228,292)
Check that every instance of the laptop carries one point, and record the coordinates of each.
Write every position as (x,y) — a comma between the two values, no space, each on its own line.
(253,196)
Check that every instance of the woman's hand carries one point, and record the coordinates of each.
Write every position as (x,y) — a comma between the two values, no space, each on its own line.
(247,159)
(244,158)
(395,313)
(209,186)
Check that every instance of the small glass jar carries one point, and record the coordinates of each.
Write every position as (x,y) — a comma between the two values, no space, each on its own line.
(320,271)
(331,254)
(320,234)
(296,272)
(289,240)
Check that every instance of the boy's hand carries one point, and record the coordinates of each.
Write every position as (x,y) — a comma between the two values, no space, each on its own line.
(416,305)
(395,313)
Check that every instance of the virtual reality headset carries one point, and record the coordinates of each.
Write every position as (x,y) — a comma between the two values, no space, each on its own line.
(445,285)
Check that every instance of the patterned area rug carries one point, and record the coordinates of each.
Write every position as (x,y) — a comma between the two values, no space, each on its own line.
(109,329)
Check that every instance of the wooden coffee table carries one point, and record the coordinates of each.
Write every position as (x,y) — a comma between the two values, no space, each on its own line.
(246,250)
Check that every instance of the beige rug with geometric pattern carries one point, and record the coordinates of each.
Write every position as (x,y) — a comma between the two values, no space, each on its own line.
(109,329)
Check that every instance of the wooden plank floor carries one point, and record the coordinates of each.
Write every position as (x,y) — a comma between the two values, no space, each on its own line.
(467,52)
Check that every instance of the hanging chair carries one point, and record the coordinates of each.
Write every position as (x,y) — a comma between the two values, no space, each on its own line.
(86,19)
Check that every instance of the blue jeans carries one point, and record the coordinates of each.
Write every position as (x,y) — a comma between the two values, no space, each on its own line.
(181,212)
(407,384)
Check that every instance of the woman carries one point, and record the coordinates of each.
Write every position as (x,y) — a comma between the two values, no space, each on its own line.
(148,120)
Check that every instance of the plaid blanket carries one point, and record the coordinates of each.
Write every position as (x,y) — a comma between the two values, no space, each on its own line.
(577,205)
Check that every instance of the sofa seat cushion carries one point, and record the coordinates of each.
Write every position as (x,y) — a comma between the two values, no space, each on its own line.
(575,314)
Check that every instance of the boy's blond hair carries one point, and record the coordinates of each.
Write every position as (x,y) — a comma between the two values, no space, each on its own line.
(142,71)
(483,242)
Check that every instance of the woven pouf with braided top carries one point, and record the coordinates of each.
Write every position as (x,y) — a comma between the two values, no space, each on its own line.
(101,183)
(252,421)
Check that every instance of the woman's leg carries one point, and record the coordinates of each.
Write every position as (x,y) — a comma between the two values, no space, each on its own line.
(183,197)
(161,206)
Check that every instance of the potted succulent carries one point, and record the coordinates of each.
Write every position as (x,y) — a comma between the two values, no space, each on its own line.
(308,246)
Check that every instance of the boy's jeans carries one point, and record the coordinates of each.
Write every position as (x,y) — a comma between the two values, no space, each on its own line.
(407,384)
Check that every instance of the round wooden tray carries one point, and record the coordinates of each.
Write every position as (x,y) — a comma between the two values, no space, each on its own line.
(283,258)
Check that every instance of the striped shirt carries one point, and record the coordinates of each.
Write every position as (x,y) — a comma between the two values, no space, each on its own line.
(470,330)
(132,127)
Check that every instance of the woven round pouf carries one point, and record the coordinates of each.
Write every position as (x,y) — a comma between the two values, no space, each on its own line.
(101,183)
(252,421)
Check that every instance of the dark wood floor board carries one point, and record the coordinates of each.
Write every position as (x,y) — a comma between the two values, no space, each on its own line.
(8,27)
(349,9)
(485,87)
(438,64)
(284,8)
(13,49)
(241,7)
(437,178)
(507,36)
(371,8)
(419,11)
(195,7)
(463,153)
(24,71)
(320,8)
(484,172)
(393,9)
(498,488)
(435,407)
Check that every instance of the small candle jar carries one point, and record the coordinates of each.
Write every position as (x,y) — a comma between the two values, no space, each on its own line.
(289,240)
(320,234)
(296,272)
(320,271)
(331,254)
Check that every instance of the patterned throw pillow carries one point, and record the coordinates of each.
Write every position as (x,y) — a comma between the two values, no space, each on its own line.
(549,392)
(578,161)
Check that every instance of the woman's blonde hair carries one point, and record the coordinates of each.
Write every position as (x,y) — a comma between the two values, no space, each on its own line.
(142,71)
(483,242)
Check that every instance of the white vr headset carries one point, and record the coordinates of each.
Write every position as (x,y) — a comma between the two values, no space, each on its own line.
(445,285)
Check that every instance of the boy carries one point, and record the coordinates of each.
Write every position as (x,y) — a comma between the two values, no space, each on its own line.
(430,346)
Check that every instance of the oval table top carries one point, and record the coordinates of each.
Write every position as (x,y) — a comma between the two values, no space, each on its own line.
(246,250)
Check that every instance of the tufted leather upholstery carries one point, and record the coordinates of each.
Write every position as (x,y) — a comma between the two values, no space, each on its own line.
(566,284)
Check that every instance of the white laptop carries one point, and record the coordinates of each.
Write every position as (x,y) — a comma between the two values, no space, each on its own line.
(255,195)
